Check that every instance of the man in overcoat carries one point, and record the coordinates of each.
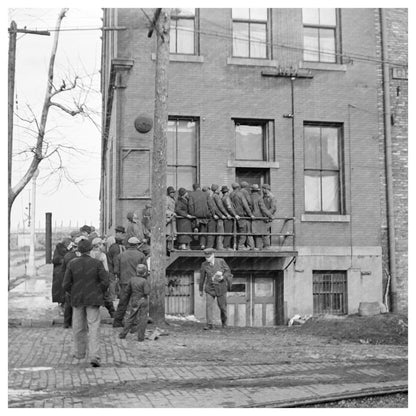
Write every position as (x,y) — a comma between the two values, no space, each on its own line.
(125,268)
(138,291)
(87,281)
(216,280)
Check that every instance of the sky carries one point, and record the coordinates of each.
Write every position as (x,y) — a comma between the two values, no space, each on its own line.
(79,52)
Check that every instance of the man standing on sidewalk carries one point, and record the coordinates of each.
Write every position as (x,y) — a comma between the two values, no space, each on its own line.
(87,281)
(124,269)
(216,277)
(137,292)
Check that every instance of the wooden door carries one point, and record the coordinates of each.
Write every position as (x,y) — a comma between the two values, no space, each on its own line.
(238,302)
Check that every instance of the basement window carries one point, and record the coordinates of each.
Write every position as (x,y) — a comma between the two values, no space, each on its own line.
(329,292)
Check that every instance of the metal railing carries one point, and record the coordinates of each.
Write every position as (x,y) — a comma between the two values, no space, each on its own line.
(281,237)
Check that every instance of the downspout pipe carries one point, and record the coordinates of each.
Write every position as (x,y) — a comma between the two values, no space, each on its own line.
(389,170)
(292,92)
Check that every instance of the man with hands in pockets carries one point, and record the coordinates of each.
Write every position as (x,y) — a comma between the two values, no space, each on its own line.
(216,278)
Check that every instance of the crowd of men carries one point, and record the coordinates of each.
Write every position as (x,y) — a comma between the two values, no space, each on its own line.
(217,210)
(90,272)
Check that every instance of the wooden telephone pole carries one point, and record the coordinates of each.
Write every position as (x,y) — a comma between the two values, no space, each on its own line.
(161,25)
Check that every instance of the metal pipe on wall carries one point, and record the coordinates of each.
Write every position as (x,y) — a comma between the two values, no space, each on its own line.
(389,170)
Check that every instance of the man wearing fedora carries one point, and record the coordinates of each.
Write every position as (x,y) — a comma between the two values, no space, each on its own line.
(216,280)
(86,279)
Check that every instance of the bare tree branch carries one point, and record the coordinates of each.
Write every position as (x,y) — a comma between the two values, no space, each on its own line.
(67,110)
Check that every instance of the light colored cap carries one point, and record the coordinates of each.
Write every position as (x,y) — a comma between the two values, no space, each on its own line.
(133,240)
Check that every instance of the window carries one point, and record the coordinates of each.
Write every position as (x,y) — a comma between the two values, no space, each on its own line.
(329,292)
(183,31)
(322,169)
(250,28)
(135,173)
(319,35)
(253,139)
(182,141)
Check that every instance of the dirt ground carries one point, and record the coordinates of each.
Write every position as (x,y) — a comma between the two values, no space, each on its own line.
(379,329)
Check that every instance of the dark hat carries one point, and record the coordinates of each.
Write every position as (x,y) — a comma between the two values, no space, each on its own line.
(171,189)
(266,186)
(255,188)
(120,229)
(133,241)
(182,191)
(214,187)
(141,270)
(208,251)
(86,228)
(235,185)
(225,188)
(84,246)
(196,186)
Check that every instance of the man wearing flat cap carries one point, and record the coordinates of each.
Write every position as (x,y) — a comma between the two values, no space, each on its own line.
(124,269)
(86,280)
(138,291)
(271,205)
(216,280)
(115,248)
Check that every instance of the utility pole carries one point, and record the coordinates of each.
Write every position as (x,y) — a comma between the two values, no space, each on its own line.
(161,24)
(13,30)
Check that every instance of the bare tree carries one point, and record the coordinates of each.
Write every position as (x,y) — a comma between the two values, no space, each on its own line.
(43,149)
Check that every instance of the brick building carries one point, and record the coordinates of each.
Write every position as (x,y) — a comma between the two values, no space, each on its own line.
(289,97)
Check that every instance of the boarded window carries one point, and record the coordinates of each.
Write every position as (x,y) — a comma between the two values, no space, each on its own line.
(329,292)
(135,173)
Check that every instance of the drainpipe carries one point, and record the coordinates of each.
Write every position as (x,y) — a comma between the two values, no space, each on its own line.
(292,91)
(389,172)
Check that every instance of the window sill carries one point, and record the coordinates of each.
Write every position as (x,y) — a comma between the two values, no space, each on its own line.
(321,66)
(252,62)
(252,164)
(177,57)
(325,218)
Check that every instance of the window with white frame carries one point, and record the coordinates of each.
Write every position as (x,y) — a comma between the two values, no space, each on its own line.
(183,33)
(320,35)
(250,33)
(182,144)
(322,168)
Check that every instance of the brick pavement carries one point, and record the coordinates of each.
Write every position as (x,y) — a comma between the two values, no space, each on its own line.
(238,367)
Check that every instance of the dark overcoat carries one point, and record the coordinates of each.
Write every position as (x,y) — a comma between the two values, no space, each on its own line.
(58,293)
(86,280)
(208,280)
(183,225)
